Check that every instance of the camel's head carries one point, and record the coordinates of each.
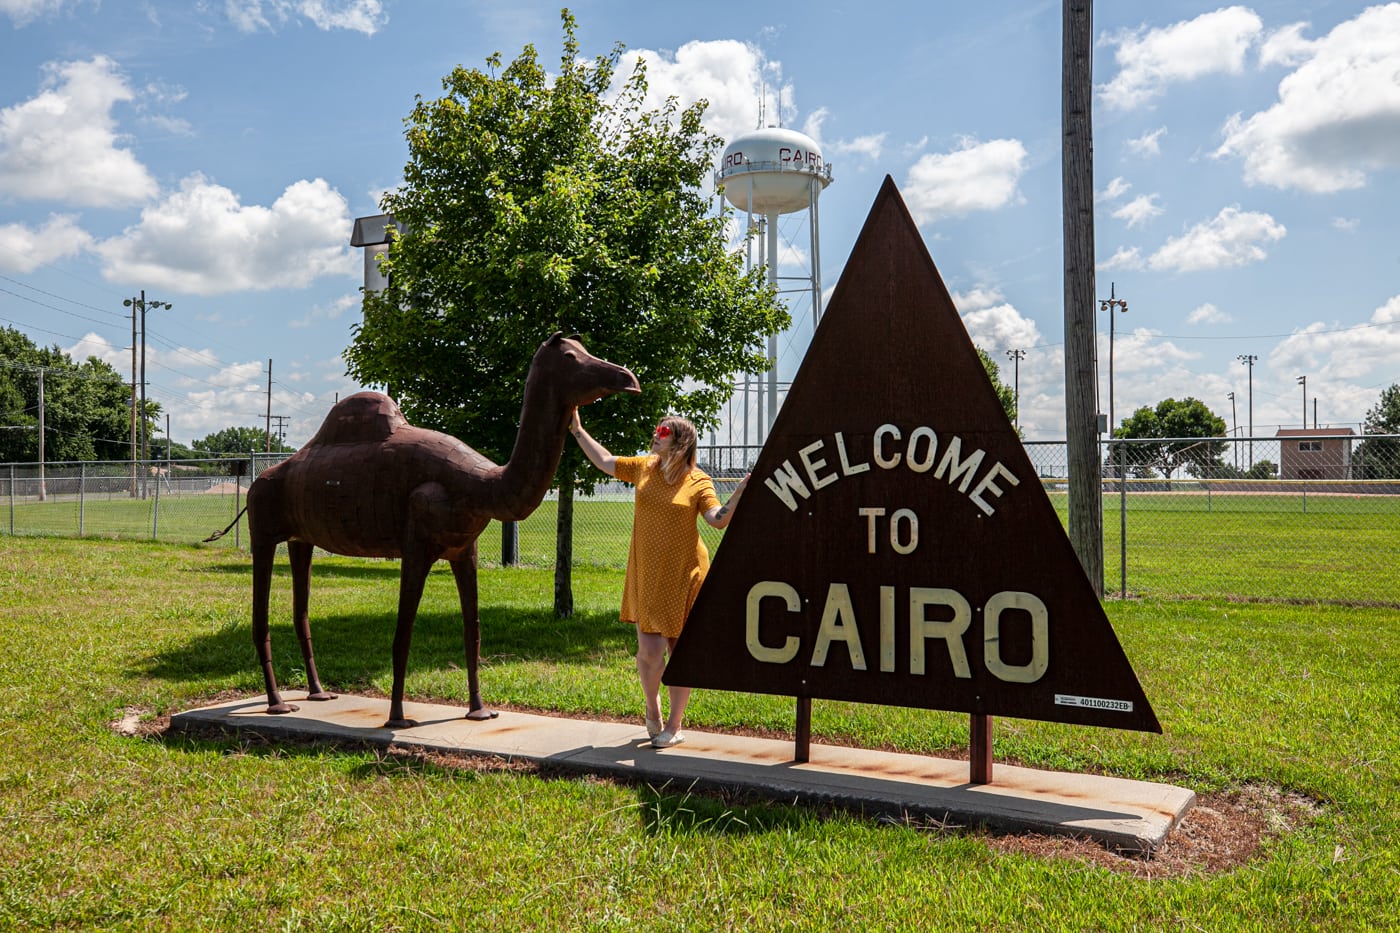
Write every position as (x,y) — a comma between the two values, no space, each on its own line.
(580,376)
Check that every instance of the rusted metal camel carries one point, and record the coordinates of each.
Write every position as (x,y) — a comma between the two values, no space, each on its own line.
(369,484)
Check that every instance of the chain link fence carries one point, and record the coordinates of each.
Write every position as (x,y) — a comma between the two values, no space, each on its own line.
(1306,516)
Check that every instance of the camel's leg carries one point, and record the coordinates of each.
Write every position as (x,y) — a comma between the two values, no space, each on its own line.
(413,573)
(263,554)
(300,553)
(464,571)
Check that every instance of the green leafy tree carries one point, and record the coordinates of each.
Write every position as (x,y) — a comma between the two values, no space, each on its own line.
(87,406)
(236,443)
(533,203)
(1379,457)
(1182,429)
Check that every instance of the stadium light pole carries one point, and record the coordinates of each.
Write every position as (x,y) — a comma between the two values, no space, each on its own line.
(1016,356)
(1235,429)
(1303,381)
(1110,304)
(1248,360)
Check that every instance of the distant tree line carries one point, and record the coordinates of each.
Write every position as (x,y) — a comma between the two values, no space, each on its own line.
(87,412)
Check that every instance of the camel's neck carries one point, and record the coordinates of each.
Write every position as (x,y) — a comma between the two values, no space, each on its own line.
(539,444)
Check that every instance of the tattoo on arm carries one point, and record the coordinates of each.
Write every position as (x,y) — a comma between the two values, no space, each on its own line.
(723,511)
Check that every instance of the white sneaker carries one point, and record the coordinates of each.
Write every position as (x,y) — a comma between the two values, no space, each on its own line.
(667,738)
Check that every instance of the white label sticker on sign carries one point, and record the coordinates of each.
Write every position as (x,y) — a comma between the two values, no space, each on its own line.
(1118,706)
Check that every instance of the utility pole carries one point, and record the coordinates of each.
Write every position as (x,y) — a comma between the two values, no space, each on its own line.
(1077,182)
(1016,357)
(1303,381)
(143,305)
(269,407)
(1248,360)
(281,427)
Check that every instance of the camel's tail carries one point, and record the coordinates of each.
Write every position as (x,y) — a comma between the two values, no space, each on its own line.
(219,534)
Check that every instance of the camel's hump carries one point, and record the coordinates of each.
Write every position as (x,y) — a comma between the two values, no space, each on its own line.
(364,416)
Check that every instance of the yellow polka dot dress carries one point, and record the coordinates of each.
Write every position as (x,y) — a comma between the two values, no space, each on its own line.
(667,561)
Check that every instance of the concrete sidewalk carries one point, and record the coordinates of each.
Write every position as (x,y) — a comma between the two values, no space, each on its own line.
(1130,815)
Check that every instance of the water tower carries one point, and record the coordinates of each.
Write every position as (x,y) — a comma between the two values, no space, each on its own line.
(767,173)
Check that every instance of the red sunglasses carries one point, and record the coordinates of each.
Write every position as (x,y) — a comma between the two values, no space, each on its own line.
(663,431)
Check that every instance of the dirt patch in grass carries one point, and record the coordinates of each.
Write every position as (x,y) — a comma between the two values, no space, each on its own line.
(1222,832)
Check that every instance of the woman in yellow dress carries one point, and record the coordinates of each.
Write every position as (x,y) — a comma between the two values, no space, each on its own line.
(667,561)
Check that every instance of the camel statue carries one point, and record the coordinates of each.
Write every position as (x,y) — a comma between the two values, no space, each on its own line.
(369,484)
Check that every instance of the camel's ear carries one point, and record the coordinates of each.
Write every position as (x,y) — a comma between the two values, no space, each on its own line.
(555,337)
(576,337)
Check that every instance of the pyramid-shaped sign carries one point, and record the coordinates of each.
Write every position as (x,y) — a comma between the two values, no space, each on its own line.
(895,544)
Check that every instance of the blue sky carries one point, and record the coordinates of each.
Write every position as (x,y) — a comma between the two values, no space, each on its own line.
(216,152)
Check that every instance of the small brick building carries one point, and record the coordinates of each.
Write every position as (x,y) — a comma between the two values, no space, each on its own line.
(1315,453)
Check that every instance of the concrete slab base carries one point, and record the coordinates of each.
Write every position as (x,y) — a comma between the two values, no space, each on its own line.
(1133,816)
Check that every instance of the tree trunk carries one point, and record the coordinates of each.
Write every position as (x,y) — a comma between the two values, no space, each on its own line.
(1081,409)
(564,549)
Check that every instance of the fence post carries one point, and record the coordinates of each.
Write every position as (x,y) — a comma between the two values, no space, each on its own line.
(1123,519)
(510,544)
(155,516)
(82,499)
(12,498)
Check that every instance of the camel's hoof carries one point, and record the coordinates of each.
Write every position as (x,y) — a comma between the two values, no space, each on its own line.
(478,715)
(321,696)
(277,709)
(401,724)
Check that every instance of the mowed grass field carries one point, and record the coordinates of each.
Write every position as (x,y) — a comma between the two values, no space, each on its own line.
(1192,543)
(104,831)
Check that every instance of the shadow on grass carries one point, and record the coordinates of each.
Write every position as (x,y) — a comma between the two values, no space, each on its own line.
(353,650)
(668,810)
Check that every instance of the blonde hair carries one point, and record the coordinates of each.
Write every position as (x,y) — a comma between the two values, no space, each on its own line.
(679,458)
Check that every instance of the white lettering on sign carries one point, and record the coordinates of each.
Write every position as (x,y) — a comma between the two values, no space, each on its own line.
(1117,706)
(757,648)
(952,618)
(903,541)
(918,455)
(1040,638)
(838,624)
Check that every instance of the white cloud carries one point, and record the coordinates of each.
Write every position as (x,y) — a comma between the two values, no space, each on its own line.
(1346,224)
(1232,238)
(366,16)
(1149,60)
(24,12)
(994,324)
(864,147)
(1115,190)
(976,177)
(1148,145)
(1139,210)
(1337,355)
(1337,116)
(24,250)
(201,240)
(329,312)
(726,73)
(1286,46)
(62,145)
(1125,257)
(1208,314)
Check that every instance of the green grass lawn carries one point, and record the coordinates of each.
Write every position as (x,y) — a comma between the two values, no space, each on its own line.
(99,831)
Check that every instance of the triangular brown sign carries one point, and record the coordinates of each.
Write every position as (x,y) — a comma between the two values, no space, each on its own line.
(895,544)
